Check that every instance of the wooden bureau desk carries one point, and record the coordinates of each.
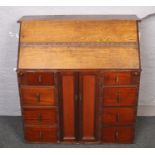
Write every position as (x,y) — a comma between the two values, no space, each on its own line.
(79,78)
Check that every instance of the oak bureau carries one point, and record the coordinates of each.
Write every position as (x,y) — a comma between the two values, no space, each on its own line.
(79,78)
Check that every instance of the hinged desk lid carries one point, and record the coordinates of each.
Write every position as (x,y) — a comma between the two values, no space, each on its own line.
(78,43)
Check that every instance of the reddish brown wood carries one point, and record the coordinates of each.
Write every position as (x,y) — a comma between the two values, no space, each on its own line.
(35,116)
(125,135)
(119,96)
(118,116)
(121,78)
(68,107)
(108,135)
(40,134)
(88,106)
(36,78)
(79,107)
(37,95)
(118,135)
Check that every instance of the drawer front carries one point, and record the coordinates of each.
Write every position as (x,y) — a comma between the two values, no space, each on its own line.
(36,134)
(121,96)
(118,116)
(40,116)
(36,78)
(121,78)
(37,95)
(118,135)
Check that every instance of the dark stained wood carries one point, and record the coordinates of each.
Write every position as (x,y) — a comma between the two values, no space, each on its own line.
(37,95)
(121,78)
(87,98)
(35,116)
(40,134)
(68,106)
(36,78)
(120,96)
(118,116)
(118,135)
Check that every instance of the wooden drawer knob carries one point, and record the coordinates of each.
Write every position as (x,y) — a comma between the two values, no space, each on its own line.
(21,73)
(135,73)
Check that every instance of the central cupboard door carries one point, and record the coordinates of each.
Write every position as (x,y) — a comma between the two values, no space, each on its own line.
(79,106)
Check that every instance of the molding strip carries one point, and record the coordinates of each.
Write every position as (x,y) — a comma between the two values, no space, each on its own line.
(79,44)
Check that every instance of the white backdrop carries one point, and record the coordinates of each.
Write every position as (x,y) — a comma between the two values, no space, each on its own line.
(9,100)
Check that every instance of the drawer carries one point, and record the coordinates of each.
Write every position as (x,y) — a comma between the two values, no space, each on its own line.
(37,95)
(121,78)
(118,135)
(118,116)
(120,96)
(36,78)
(37,134)
(40,116)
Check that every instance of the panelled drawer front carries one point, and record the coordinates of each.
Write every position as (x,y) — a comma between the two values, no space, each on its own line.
(37,95)
(118,116)
(119,96)
(40,116)
(118,135)
(37,134)
(121,78)
(36,78)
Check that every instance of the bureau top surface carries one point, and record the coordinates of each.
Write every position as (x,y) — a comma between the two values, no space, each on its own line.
(77,17)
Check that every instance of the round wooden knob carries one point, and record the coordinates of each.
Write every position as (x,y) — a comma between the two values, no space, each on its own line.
(136,73)
(21,73)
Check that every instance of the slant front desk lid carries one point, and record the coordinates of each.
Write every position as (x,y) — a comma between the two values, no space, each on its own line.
(74,42)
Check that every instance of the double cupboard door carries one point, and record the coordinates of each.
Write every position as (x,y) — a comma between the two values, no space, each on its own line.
(79,106)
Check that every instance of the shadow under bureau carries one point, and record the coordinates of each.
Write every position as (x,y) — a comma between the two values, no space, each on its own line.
(79,78)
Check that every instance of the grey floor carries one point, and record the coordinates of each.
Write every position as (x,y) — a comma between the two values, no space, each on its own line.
(11,135)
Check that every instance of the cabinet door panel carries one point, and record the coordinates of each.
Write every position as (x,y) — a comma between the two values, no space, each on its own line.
(68,107)
(88,103)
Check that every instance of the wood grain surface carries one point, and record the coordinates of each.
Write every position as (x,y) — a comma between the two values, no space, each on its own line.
(79,31)
(78,58)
